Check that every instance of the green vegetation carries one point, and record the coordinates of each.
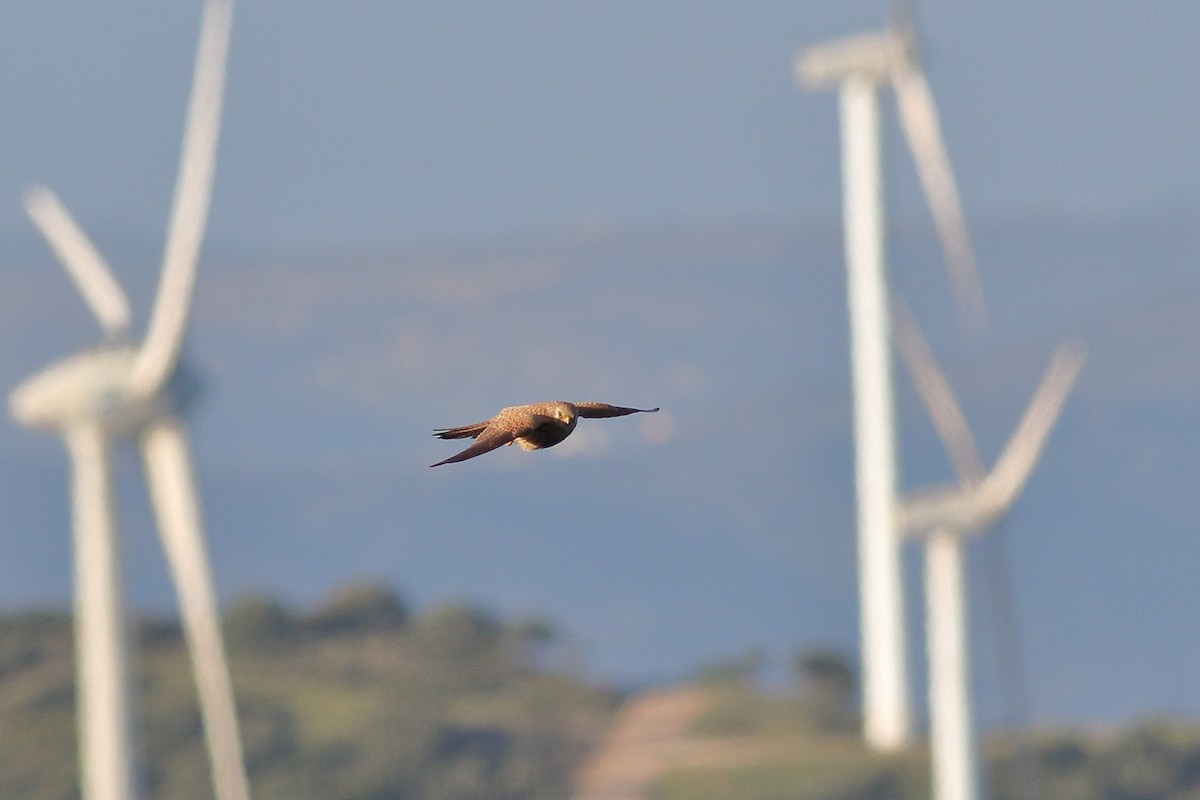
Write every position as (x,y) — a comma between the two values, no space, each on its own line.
(358,699)
(784,746)
(1154,761)
(787,745)
(363,699)
(801,745)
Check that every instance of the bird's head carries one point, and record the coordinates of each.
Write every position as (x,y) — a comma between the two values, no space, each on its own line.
(565,413)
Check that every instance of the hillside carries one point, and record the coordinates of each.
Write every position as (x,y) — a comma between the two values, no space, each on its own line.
(360,699)
(749,744)
(357,699)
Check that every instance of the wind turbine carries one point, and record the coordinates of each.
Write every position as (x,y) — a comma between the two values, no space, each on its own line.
(944,517)
(859,66)
(117,391)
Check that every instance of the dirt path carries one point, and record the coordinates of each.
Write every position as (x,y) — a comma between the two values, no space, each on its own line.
(648,735)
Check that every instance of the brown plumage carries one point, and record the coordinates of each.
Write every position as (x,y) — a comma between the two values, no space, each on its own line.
(532,427)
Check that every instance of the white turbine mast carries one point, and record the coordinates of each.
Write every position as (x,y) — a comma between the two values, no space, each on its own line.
(943,517)
(122,391)
(859,66)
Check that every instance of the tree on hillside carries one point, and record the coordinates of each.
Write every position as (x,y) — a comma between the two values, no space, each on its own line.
(743,667)
(828,683)
(258,618)
(357,608)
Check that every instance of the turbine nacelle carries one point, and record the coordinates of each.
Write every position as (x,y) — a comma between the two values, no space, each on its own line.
(95,387)
(874,56)
(965,509)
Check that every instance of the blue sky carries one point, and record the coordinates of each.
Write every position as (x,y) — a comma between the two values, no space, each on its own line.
(376,122)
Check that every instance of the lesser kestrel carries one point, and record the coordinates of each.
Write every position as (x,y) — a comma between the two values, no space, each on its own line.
(532,427)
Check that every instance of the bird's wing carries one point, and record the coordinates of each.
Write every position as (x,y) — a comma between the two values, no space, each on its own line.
(497,434)
(462,432)
(482,445)
(605,410)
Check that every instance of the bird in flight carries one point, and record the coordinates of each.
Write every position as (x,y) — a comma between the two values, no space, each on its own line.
(532,427)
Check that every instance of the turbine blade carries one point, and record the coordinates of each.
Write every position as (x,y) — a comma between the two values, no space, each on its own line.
(172,493)
(189,212)
(1015,464)
(919,121)
(902,26)
(82,261)
(935,392)
(102,660)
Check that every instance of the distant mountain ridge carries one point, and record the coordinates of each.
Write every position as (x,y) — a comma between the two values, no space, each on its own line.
(731,530)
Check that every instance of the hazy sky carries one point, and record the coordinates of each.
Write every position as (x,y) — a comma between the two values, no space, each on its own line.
(358,132)
(359,123)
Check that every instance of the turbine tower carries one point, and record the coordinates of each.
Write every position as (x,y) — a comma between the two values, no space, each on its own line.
(944,517)
(859,66)
(117,391)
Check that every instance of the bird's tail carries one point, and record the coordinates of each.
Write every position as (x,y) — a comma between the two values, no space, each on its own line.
(466,431)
